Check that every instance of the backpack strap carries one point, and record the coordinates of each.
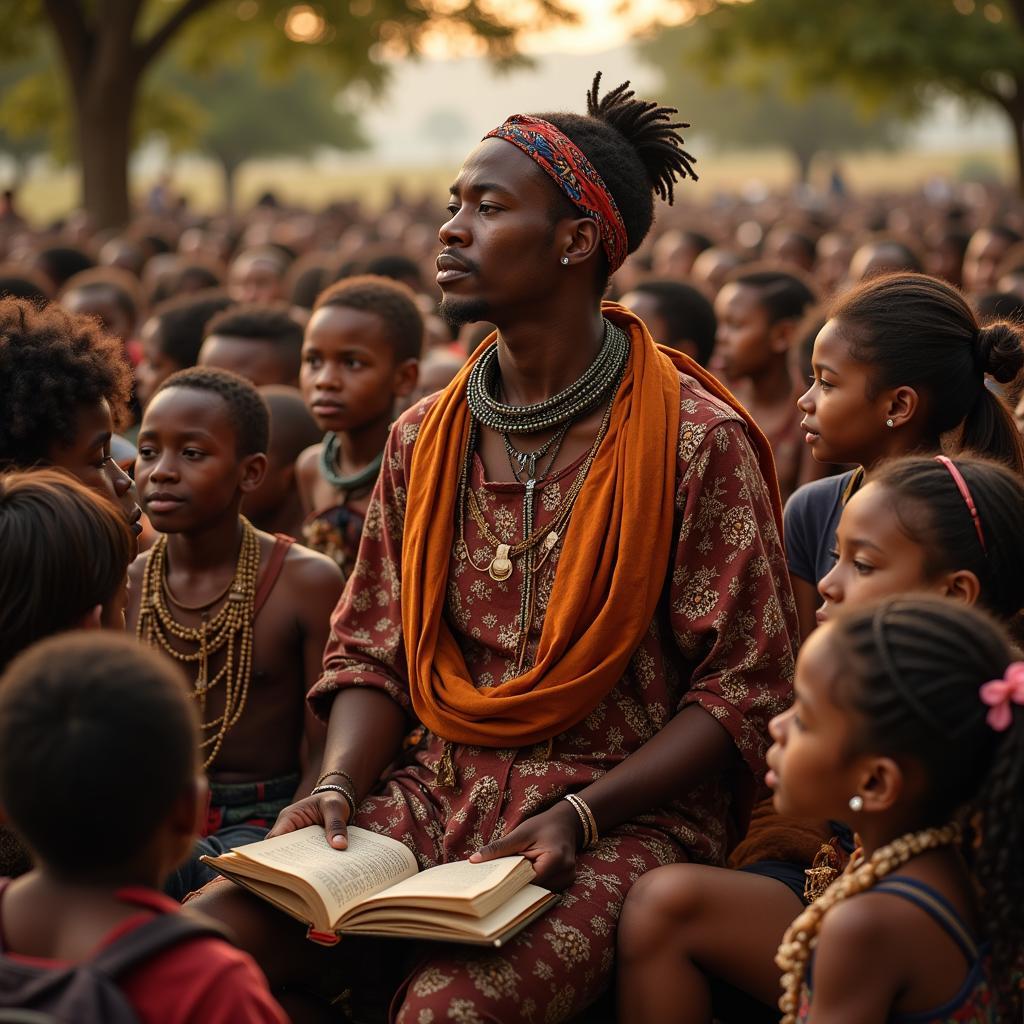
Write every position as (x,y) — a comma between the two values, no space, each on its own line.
(151,938)
(282,543)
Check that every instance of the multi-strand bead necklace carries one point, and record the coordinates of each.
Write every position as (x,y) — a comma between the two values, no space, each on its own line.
(230,629)
(598,384)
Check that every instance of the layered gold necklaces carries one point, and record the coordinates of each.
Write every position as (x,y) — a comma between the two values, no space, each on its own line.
(230,630)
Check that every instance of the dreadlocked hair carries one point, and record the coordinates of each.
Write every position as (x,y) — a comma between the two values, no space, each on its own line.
(912,671)
(636,148)
(931,511)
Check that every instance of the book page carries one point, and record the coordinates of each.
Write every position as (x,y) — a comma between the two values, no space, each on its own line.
(458,880)
(340,877)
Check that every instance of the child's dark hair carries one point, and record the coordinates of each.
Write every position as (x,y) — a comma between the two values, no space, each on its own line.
(636,148)
(97,741)
(920,332)
(687,312)
(932,513)
(394,303)
(63,550)
(51,364)
(120,284)
(783,294)
(262,322)
(246,407)
(183,321)
(60,262)
(18,282)
(912,670)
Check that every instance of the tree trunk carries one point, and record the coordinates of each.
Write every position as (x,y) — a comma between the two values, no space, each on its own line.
(1017,123)
(105,112)
(803,158)
(229,170)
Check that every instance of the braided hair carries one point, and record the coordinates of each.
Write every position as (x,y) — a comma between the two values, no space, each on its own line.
(912,672)
(636,148)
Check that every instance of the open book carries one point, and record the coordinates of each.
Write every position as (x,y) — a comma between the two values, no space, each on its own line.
(375,888)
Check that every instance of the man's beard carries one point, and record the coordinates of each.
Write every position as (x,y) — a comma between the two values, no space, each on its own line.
(455,312)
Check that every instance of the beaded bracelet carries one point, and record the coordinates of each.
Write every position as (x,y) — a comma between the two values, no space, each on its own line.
(337,771)
(343,790)
(587,819)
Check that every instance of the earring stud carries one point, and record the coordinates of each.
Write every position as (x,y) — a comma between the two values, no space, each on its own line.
(856,803)
(565,261)
(889,422)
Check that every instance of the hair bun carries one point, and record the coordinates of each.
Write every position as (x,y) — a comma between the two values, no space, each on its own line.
(649,129)
(1000,350)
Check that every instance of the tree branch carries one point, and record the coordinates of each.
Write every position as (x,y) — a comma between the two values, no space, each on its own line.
(163,35)
(73,36)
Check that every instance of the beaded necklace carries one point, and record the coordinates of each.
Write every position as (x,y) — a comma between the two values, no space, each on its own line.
(562,410)
(230,629)
(795,952)
(329,451)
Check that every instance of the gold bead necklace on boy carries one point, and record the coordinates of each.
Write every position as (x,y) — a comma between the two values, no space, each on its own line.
(801,936)
(230,630)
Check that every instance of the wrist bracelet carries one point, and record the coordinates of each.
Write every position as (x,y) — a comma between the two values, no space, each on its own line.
(586,816)
(343,790)
(337,771)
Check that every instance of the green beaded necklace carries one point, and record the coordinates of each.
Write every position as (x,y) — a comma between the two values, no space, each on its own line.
(366,477)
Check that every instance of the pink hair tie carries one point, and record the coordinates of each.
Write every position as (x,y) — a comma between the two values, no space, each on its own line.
(999,694)
(965,493)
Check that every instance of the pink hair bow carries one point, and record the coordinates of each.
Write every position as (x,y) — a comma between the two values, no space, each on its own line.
(1000,693)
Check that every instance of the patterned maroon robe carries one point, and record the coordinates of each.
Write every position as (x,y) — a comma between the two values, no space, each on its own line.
(721,638)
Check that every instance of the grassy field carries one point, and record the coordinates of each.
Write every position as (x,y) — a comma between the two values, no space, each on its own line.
(47,194)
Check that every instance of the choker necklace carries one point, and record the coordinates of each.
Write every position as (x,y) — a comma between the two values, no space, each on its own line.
(597,383)
(230,629)
(329,452)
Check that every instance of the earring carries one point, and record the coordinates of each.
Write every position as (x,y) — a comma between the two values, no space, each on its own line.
(889,422)
(565,261)
(856,803)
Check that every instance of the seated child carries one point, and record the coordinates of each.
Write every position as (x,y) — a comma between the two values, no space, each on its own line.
(262,343)
(247,613)
(64,555)
(64,386)
(910,528)
(759,310)
(99,773)
(276,506)
(677,315)
(361,354)
(171,338)
(909,721)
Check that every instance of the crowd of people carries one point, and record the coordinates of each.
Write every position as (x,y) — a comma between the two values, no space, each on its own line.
(674,545)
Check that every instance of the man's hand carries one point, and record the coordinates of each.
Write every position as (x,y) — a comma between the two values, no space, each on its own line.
(548,840)
(328,809)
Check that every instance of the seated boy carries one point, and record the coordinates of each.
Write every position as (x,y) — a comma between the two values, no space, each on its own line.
(64,386)
(262,343)
(99,774)
(246,613)
(360,355)
(64,555)
(276,506)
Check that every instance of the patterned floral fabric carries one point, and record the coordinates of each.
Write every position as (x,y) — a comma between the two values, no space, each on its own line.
(335,532)
(720,639)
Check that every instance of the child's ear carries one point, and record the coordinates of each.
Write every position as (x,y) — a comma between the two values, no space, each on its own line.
(254,469)
(780,337)
(961,585)
(901,405)
(882,784)
(406,377)
(187,819)
(92,619)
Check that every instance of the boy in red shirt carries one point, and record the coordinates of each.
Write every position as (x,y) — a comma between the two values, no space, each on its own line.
(99,774)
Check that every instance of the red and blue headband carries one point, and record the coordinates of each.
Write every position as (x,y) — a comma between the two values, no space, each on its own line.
(567,166)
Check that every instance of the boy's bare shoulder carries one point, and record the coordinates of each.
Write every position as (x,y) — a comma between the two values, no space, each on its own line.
(307,462)
(305,566)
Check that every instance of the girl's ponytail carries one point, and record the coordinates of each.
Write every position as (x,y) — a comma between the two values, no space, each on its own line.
(989,427)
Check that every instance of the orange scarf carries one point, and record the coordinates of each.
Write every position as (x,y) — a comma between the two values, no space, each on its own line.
(610,575)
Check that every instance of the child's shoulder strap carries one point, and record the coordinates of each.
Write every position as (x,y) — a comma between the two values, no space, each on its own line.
(149,939)
(282,542)
(936,906)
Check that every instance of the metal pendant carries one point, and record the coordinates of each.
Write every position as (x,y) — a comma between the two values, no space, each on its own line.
(501,565)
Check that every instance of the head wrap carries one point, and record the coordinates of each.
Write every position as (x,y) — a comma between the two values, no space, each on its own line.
(568,167)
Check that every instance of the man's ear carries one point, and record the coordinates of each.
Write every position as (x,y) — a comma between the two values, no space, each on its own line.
(579,240)
(254,469)
(405,378)
(92,619)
